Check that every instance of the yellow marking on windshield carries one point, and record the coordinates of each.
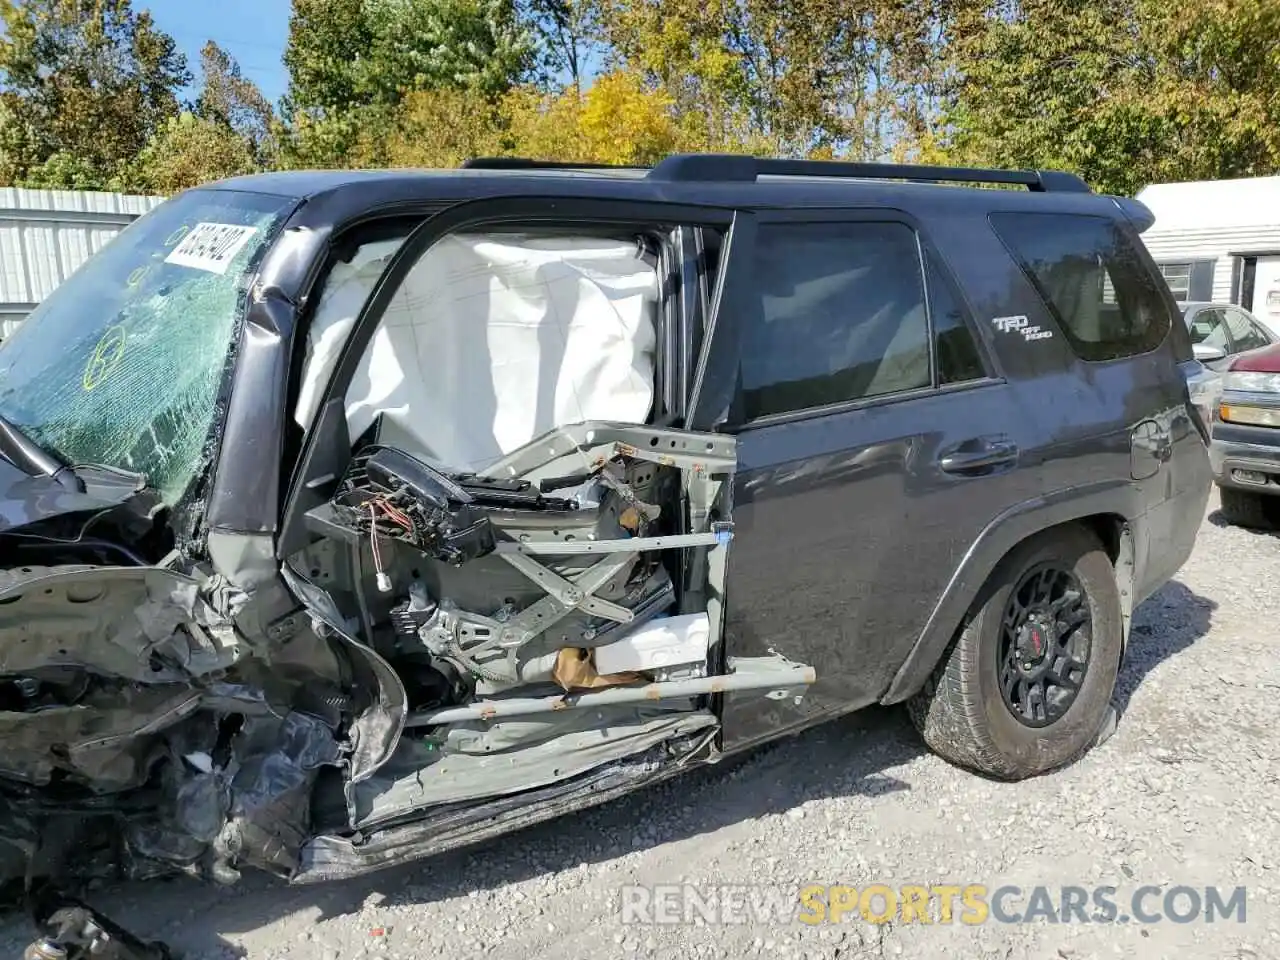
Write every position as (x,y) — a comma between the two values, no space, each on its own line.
(105,358)
(135,278)
(177,235)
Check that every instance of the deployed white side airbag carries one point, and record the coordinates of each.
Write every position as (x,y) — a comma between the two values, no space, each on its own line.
(492,340)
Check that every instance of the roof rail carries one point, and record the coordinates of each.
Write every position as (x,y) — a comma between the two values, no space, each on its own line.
(524,163)
(714,166)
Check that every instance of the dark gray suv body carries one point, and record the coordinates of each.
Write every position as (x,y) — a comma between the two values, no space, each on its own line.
(904,441)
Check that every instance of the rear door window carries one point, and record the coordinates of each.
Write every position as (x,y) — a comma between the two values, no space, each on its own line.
(955,349)
(845,315)
(1090,275)
(842,317)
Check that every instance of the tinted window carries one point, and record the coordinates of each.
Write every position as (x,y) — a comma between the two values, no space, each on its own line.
(957,353)
(1091,276)
(842,317)
(1245,334)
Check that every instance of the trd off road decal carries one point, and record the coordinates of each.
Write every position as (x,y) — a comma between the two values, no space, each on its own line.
(1020,324)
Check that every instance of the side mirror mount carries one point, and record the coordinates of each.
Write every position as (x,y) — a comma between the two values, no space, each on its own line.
(1207,354)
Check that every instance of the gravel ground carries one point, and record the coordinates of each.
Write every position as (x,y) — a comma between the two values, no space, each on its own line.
(1184,793)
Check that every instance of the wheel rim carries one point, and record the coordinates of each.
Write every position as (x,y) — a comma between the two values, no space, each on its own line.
(1045,641)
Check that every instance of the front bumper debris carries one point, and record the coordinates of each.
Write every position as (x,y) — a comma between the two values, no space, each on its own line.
(71,930)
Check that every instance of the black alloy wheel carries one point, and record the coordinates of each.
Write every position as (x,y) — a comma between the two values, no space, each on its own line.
(1046,637)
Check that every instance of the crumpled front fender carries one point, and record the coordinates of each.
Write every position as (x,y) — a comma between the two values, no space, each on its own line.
(145,624)
(129,690)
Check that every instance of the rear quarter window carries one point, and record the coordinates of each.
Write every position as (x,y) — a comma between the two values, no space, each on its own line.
(1093,280)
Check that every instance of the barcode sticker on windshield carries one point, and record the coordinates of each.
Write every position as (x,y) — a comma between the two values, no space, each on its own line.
(211,246)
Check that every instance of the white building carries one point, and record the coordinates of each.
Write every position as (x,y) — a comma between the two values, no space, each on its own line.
(46,234)
(1219,240)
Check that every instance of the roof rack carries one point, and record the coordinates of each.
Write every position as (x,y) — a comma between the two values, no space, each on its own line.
(732,167)
(524,163)
(711,167)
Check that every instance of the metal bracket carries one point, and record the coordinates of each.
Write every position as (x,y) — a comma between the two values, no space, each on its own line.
(563,597)
(678,541)
(700,452)
(473,636)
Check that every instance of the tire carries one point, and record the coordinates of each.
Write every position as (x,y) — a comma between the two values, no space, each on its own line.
(1247,509)
(963,714)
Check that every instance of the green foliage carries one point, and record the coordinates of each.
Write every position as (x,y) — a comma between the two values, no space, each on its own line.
(84,84)
(1125,92)
(434,44)
(329,43)
(352,63)
(190,150)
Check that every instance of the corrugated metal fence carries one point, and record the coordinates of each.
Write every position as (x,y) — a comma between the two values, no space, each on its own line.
(46,234)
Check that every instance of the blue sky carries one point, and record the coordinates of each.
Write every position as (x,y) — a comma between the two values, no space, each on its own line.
(252,31)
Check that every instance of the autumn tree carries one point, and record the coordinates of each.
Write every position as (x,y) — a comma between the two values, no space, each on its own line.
(437,128)
(233,101)
(190,150)
(616,120)
(787,76)
(351,63)
(84,84)
(231,129)
(1124,92)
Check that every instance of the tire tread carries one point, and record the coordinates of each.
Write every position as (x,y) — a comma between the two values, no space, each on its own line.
(1246,509)
(948,711)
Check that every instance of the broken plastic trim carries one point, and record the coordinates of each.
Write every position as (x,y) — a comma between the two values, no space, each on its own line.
(377,730)
(72,930)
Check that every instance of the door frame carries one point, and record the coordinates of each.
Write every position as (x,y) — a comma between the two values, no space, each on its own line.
(326,447)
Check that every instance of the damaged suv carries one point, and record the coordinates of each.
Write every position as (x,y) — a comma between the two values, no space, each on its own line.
(346,518)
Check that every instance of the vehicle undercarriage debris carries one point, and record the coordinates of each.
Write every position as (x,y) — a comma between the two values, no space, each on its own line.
(461,653)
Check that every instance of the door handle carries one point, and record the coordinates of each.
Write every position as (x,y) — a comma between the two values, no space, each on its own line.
(978,456)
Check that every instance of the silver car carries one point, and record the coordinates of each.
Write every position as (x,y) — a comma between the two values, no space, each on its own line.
(1219,331)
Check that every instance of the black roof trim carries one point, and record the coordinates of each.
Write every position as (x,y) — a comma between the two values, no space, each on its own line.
(732,167)
(523,163)
(737,168)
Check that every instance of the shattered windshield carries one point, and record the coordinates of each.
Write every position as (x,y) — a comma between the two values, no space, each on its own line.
(123,363)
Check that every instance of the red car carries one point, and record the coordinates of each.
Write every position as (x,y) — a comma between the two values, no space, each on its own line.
(1245,451)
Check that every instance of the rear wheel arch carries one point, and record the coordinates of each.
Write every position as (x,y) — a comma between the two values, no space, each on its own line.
(1103,510)
(958,710)
(1113,532)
